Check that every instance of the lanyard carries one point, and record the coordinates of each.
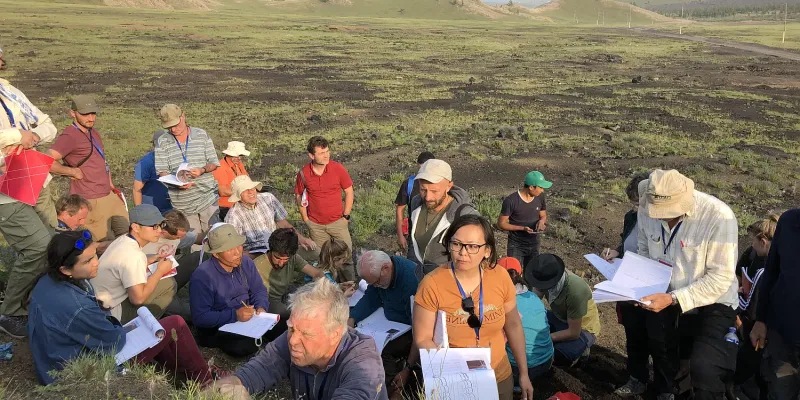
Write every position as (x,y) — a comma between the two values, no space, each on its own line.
(464,296)
(95,145)
(236,170)
(10,115)
(184,150)
(321,388)
(671,237)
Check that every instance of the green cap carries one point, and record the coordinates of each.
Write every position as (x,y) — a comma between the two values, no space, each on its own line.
(223,238)
(84,104)
(535,178)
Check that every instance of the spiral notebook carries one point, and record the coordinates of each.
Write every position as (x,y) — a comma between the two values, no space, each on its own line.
(142,333)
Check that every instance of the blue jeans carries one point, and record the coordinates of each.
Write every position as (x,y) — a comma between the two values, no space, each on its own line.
(568,352)
(533,372)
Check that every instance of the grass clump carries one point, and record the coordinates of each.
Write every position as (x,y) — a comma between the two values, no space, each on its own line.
(563,231)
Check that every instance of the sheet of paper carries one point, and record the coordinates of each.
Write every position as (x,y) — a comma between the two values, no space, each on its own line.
(643,275)
(473,385)
(604,267)
(163,247)
(255,328)
(171,180)
(440,331)
(141,334)
(438,362)
(377,322)
(362,287)
(380,338)
(152,268)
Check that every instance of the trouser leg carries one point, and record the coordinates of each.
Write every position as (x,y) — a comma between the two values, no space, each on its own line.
(634,321)
(662,344)
(177,351)
(26,234)
(713,359)
(780,368)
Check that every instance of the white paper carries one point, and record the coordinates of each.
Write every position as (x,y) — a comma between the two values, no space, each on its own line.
(170,180)
(255,328)
(608,269)
(154,266)
(440,331)
(359,293)
(464,373)
(637,277)
(381,329)
(184,173)
(141,334)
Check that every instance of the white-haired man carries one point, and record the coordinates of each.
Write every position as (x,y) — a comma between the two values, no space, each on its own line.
(322,358)
(392,282)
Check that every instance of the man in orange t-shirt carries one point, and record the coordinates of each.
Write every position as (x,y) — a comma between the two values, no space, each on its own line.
(229,168)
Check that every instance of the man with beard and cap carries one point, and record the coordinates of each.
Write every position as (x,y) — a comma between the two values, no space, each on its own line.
(438,203)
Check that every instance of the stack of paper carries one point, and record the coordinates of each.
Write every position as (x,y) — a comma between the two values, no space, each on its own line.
(381,329)
(142,333)
(255,328)
(360,290)
(608,269)
(458,373)
(174,271)
(637,277)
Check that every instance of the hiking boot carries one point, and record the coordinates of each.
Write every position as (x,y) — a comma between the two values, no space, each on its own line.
(632,388)
(583,358)
(665,396)
(14,326)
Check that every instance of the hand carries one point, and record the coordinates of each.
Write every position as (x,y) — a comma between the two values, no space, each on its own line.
(541,225)
(526,386)
(163,267)
(401,240)
(260,310)
(230,387)
(29,139)
(738,322)
(308,244)
(529,230)
(154,258)
(348,292)
(244,313)
(196,172)
(13,149)
(76,174)
(609,254)
(399,381)
(758,335)
(187,186)
(658,302)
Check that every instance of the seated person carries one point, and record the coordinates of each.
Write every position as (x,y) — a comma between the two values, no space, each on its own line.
(391,282)
(176,240)
(123,283)
(538,345)
(231,166)
(65,319)
(333,256)
(256,215)
(226,289)
(318,340)
(71,211)
(573,318)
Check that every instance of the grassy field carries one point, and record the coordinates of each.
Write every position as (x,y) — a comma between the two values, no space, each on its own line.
(767,33)
(496,98)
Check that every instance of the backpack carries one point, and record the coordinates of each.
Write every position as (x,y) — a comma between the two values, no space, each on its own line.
(410,187)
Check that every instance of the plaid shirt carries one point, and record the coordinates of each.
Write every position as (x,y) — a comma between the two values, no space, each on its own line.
(257,223)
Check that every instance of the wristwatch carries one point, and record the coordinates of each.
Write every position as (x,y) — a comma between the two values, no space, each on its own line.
(674,298)
(346,216)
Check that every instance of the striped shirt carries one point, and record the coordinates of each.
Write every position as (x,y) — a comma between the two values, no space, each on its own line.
(199,151)
(257,223)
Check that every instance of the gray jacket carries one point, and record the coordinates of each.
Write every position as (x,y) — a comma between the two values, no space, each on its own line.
(354,372)
(435,250)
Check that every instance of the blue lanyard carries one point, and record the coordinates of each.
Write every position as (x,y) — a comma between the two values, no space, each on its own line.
(94,144)
(11,115)
(671,237)
(185,149)
(321,388)
(464,296)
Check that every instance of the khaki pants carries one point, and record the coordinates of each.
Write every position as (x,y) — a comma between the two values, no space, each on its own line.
(108,218)
(26,234)
(157,302)
(338,229)
(46,207)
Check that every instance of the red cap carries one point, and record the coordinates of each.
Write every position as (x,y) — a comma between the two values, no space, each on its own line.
(510,263)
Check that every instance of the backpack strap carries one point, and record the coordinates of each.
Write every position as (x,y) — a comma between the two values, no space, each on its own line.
(461,208)
(410,186)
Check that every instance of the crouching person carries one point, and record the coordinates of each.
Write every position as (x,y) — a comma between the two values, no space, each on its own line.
(322,358)
(224,289)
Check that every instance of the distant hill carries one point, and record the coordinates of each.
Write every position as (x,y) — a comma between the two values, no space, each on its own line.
(670,6)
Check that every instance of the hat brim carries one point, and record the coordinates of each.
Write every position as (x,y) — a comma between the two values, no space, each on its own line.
(236,154)
(235,241)
(170,123)
(236,197)
(682,207)
(544,284)
(88,110)
(430,177)
(545,184)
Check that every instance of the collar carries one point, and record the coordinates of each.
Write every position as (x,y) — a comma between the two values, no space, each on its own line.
(219,268)
(250,206)
(394,273)
(666,226)
(62,225)
(324,170)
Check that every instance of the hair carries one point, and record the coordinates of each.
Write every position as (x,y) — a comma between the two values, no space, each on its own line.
(425,156)
(516,278)
(61,252)
(284,241)
(488,236)
(324,299)
(175,221)
(332,250)
(316,141)
(765,228)
(632,190)
(72,204)
(375,259)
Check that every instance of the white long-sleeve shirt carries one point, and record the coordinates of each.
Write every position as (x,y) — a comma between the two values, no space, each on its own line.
(11,135)
(703,252)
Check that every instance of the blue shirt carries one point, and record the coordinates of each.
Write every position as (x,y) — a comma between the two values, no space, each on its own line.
(63,321)
(538,345)
(216,294)
(153,192)
(396,300)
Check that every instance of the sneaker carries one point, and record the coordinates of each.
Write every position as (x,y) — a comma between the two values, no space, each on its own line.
(14,326)
(632,388)
(583,358)
(665,396)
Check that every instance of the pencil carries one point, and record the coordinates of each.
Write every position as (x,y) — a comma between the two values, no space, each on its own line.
(244,304)
(758,343)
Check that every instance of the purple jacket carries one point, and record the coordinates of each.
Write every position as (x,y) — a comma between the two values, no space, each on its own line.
(216,294)
(354,372)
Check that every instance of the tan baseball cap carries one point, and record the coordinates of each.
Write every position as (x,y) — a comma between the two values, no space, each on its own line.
(667,194)
(170,115)
(223,238)
(236,149)
(240,184)
(434,171)
(84,104)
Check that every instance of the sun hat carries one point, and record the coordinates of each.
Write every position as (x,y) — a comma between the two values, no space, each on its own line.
(236,149)
(544,271)
(223,238)
(667,194)
(240,184)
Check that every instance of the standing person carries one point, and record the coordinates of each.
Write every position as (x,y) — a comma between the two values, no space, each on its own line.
(230,167)
(697,235)
(776,328)
(438,204)
(318,191)
(524,216)
(22,126)
(479,300)
(193,147)
(80,146)
(146,187)
(408,189)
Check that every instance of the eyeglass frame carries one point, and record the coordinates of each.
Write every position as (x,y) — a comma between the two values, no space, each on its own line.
(463,246)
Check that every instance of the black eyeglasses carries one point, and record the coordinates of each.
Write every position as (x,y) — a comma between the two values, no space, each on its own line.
(469,306)
(472,248)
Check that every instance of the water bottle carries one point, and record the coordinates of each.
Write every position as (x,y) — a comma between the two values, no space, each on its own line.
(731,336)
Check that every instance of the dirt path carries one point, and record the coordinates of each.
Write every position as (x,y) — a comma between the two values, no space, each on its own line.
(751,47)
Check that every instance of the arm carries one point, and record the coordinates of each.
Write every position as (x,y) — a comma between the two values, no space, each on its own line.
(259,296)
(137,192)
(91,327)
(60,169)
(399,212)
(422,327)
(299,187)
(212,160)
(201,297)
(349,196)
(367,305)
(642,240)
(269,367)
(772,270)
(516,337)
(540,226)
(313,272)
(138,294)
(45,130)
(571,333)
(162,162)
(223,184)
(502,223)
(362,377)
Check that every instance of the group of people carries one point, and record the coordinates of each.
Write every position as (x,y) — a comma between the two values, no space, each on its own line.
(86,265)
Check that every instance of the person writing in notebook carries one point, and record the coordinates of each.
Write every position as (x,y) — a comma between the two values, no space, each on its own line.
(479,300)
(65,319)
(230,167)
(696,235)
(225,289)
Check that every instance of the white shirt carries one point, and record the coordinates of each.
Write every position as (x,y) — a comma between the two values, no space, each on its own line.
(122,265)
(702,253)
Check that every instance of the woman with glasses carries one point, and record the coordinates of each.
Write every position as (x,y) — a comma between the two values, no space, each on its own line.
(479,300)
(65,319)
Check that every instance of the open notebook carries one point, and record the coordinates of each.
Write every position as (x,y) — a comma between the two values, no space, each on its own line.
(142,333)
(174,271)
(381,329)
(464,373)
(255,328)
(636,277)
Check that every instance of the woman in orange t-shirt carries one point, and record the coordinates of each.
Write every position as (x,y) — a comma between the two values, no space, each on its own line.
(229,168)
(479,301)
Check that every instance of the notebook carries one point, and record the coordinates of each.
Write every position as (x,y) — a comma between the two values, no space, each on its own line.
(255,328)
(142,333)
(381,329)
(174,271)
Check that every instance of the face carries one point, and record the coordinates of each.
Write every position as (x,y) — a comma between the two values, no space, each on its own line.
(181,128)
(250,196)
(535,191)
(321,156)
(471,236)
(434,194)
(2,62)
(278,260)
(74,221)
(150,234)
(179,234)
(760,245)
(310,343)
(235,160)
(86,266)
(85,120)
(381,279)
(230,258)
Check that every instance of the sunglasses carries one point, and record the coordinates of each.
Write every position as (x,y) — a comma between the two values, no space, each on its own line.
(469,306)
(81,244)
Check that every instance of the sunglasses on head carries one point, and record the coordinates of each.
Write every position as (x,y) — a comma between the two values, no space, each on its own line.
(80,244)
(469,306)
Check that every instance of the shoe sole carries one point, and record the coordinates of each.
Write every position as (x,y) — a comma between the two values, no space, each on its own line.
(11,334)
(628,395)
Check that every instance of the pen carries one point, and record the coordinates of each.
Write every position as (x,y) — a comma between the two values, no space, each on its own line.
(606,252)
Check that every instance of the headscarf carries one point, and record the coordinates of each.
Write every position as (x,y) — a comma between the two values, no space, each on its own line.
(555,291)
